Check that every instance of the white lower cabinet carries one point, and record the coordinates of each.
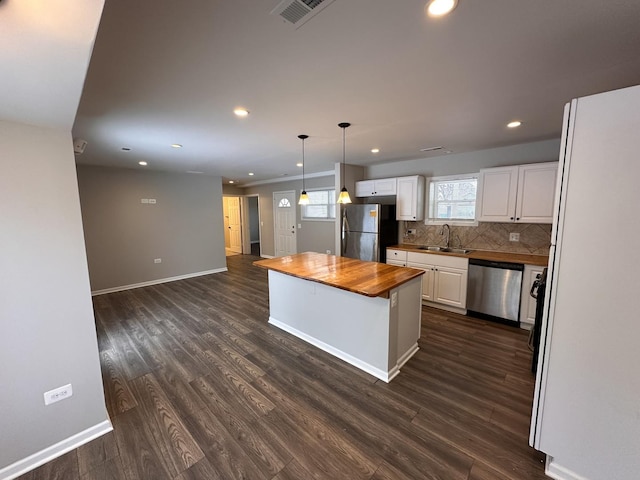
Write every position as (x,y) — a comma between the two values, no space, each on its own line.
(445,278)
(527,302)
(396,257)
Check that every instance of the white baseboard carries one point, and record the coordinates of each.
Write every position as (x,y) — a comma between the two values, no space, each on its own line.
(54,451)
(266,256)
(156,282)
(558,472)
(442,306)
(370,369)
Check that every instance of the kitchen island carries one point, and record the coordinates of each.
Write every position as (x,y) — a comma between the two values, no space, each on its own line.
(365,313)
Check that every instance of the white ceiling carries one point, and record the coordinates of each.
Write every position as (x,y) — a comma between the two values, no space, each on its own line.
(167,71)
(44,54)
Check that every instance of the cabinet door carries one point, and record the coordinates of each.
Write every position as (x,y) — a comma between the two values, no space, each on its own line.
(536,190)
(450,286)
(427,279)
(364,188)
(410,198)
(497,191)
(397,263)
(385,186)
(527,302)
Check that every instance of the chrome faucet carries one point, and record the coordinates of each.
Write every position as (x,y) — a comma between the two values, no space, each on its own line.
(447,238)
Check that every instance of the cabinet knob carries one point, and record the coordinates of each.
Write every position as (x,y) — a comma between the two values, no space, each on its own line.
(511,218)
(518,218)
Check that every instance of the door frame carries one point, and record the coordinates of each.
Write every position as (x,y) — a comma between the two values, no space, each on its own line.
(246,225)
(242,215)
(275,223)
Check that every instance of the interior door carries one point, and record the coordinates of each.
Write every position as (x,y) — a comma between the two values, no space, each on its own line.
(284,217)
(235,227)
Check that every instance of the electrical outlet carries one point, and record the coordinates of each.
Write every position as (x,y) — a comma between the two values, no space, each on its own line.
(157,260)
(328,252)
(514,237)
(411,231)
(57,394)
(152,201)
(144,200)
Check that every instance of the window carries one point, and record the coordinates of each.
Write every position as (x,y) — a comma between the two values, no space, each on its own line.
(284,203)
(452,199)
(322,205)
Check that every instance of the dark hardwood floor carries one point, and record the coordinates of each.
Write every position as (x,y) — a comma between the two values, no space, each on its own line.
(199,386)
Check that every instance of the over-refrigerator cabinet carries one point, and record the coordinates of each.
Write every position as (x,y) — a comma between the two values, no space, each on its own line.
(586,414)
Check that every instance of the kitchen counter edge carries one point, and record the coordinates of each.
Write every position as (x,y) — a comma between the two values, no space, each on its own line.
(523,258)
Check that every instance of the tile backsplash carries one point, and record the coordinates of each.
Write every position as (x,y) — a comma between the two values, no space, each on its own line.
(535,238)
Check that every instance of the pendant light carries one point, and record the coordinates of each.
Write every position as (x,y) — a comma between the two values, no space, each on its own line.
(344,194)
(304,198)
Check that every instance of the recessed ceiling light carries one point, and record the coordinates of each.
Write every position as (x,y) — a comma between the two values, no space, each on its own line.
(176,145)
(298,164)
(251,174)
(195,172)
(241,112)
(375,150)
(126,149)
(143,163)
(438,8)
(231,181)
(514,124)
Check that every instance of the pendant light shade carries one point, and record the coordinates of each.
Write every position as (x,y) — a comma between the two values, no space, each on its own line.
(304,198)
(343,198)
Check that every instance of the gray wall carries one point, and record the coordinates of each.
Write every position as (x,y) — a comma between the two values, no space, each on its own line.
(48,336)
(123,236)
(314,236)
(545,151)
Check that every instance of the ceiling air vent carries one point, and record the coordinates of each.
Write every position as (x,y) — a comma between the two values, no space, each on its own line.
(435,150)
(298,12)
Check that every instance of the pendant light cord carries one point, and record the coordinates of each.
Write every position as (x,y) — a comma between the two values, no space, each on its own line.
(344,182)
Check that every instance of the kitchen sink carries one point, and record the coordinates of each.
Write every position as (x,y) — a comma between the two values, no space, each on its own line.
(434,248)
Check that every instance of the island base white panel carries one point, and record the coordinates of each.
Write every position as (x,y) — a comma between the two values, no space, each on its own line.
(377,335)
(558,472)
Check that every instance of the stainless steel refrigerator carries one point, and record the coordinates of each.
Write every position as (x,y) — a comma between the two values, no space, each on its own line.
(586,411)
(367,230)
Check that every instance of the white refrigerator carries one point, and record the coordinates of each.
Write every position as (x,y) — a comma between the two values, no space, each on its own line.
(586,412)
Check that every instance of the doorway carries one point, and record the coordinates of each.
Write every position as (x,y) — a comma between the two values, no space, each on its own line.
(284,219)
(251,226)
(232,225)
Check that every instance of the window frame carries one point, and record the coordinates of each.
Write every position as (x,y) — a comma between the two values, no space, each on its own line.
(330,201)
(429,220)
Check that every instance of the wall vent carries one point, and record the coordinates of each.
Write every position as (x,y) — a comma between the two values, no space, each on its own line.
(298,12)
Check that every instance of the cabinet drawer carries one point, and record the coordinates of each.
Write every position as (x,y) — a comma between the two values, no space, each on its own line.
(396,255)
(439,260)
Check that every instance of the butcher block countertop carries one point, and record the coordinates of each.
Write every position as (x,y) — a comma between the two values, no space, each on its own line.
(371,279)
(539,260)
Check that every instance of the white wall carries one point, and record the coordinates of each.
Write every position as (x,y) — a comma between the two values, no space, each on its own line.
(47,328)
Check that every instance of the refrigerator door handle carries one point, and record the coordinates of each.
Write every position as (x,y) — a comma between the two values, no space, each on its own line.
(345,230)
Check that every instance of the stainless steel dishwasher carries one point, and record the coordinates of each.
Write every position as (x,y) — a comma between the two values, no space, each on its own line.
(493,290)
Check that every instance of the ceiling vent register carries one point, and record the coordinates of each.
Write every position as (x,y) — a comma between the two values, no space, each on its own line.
(298,12)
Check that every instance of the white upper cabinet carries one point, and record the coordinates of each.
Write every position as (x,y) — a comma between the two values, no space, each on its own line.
(522,193)
(410,198)
(376,188)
